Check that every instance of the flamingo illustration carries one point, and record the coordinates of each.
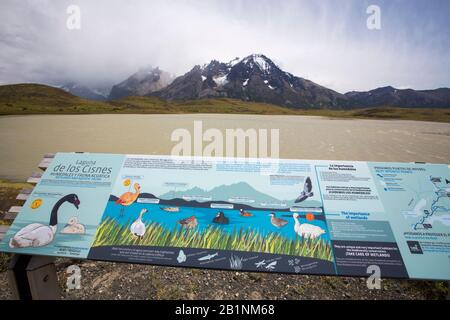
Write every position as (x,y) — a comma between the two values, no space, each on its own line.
(128,198)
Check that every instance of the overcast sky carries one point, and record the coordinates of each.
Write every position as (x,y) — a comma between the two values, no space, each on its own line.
(324,41)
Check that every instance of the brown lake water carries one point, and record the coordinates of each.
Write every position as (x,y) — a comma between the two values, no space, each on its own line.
(24,139)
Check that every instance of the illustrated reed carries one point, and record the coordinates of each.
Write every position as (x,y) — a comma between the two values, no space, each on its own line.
(111,233)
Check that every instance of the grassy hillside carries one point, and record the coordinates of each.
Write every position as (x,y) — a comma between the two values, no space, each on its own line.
(41,99)
(37,98)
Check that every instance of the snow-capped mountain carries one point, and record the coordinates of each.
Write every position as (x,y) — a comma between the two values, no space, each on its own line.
(253,78)
(256,78)
(84,91)
(142,83)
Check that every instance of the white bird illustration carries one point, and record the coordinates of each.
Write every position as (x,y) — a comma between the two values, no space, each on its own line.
(307,191)
(306,230)
(138,227)
(73,227)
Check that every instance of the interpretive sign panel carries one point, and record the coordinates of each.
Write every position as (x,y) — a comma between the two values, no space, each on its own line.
(290,216)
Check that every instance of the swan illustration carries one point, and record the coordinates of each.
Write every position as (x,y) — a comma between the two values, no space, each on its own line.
(307,191)
(38,234)
(306,230)
(138,227)
(73,227)
(128,198)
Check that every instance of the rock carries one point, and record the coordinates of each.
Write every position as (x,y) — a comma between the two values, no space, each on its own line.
(255,295)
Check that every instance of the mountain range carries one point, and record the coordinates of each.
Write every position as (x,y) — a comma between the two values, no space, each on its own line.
(247,194)
(249,198)
(256,78)
(224,192)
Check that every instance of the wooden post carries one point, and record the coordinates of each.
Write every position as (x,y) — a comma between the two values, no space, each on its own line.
(33,278)
(17,278)
(42,278)
(448,293)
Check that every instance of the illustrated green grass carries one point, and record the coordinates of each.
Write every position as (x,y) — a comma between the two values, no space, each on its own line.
(111,233)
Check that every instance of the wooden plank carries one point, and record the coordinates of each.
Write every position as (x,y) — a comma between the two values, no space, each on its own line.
(35,178)
(3,230)
(9,216)
(12,213)
(46,160)
(49,155)
(24,194)
(15,209)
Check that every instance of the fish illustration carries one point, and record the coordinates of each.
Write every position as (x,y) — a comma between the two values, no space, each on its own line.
(208,257)
(170,209)
(271,266)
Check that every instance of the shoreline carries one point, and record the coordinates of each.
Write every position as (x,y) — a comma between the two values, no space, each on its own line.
(323,114)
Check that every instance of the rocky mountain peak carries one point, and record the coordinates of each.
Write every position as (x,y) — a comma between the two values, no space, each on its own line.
(253,78)
(143,82)
(259,61)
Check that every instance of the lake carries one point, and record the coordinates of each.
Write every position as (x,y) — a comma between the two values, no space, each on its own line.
(24,139)
(259,222)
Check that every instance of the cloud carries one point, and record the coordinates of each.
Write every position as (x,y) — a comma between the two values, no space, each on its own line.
(326,42)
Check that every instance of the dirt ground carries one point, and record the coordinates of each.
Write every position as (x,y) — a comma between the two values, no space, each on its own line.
(104,280)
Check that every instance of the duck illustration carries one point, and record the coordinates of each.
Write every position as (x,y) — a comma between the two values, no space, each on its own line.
(128,198)
(38,234)
(221,219)
(306,230)
(306,193)
(73,227)
(189,223)
(245,213)
(277,222)
(138,227)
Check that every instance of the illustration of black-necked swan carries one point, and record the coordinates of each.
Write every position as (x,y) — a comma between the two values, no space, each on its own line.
(306,230)
(38,234)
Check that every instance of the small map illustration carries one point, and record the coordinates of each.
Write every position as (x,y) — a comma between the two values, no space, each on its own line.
(430,204)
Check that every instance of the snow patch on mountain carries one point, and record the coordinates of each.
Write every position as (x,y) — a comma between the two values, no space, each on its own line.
(221,80)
